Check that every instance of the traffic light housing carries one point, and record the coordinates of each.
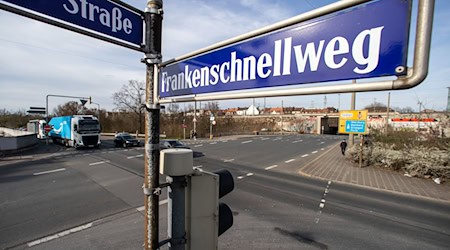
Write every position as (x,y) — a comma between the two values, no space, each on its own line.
(206,217)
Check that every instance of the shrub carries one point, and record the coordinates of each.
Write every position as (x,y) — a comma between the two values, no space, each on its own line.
(409,152)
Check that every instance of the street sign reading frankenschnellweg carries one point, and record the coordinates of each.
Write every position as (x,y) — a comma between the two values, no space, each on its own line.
(102,17)
(365,41)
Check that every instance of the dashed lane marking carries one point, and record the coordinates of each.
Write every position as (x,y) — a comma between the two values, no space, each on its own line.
(135,156)
(243,176)
(228,160)
(97,163)
(50,171)
(212,143)
(199,145)
(322,201)
(288,161)
(305,155)
(270,167)
(314,152)
(244,142)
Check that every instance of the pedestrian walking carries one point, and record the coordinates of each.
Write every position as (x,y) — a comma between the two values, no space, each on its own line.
(343,146)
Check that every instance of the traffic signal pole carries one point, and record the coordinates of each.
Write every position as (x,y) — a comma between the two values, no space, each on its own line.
(153,57)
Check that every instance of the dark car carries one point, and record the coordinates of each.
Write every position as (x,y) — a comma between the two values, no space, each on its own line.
(165,144)
(125,140)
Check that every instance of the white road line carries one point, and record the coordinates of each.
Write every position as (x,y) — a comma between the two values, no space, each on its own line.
(322,142)
(249,174)
(50,171)
(135,156)
(199,166)
(97,163)
(244,142)
(212,143)
(322,149)
(60,234)
(291,160)
(240,177)
(264,139)
(314,152)
(305,155)
(296,141)
(199,145)
(273,166)
(228,160)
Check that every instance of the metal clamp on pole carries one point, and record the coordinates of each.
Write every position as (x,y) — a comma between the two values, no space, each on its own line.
(153,20)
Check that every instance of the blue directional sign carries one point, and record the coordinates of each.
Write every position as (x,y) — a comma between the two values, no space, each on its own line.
(368,40)
(109,18)
(355,127)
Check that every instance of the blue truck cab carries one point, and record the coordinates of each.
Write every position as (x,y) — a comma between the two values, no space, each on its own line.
(75,130)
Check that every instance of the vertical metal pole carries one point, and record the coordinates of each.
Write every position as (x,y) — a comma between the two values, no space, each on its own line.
(387,112)
(153,24)
(281,117)
(176,208)
(195,121)
(351,137)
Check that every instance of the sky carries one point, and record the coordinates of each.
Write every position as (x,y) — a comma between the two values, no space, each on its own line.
(37,59)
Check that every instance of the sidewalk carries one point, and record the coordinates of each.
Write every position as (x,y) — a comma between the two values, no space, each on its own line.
(332,165)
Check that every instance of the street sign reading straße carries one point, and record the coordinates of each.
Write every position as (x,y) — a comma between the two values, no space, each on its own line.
(110,18)
(365,41)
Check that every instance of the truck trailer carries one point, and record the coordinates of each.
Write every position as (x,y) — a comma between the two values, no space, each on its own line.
(75,130)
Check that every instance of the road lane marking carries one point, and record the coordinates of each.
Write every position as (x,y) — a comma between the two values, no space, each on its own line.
(228,160)
(244,142)
(288,161)
(322,201)
(263,139)
(247,175)
(212,143)
(199,166)
(50,171)
(135,156)
(305,155)
(322,149)
(60,234)
(97,163)
(314,152)
(273,166)
(297,141)
(199,145)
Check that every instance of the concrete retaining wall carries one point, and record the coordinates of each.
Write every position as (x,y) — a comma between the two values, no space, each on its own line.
(12,140)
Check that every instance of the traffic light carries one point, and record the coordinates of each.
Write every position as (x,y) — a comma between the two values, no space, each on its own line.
(207,217)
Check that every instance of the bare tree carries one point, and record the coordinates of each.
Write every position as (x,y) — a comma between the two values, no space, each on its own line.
(131,98)
(68,108)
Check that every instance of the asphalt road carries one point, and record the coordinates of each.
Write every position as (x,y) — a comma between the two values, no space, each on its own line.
(273,207)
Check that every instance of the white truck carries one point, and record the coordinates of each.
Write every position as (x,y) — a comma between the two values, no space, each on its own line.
(75,130)
(37,127)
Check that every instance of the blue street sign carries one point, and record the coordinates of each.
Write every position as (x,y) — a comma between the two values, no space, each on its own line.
(106,17)
(357,126)
(368,40)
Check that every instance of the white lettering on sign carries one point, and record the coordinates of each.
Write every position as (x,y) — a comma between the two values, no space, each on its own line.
(112,19)
(334,54)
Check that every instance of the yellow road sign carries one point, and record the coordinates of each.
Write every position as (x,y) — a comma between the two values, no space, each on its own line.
(353,122)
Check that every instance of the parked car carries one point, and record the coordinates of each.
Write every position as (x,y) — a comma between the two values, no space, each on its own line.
(125,140)
(165,144)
